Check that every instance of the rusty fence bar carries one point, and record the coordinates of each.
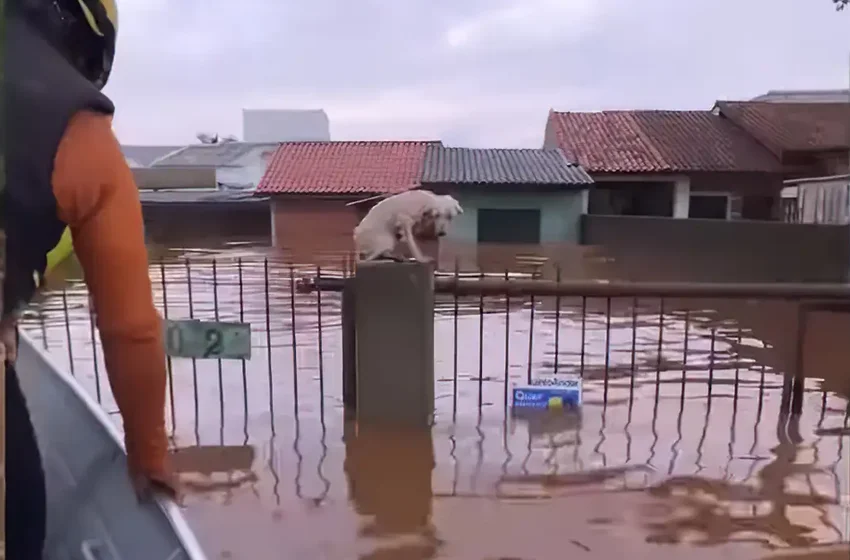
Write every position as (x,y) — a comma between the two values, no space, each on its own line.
(599,289)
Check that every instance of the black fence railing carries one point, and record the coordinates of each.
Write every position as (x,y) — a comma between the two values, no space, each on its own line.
(626,341)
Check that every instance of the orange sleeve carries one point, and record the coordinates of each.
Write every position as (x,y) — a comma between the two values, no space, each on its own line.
(97,197)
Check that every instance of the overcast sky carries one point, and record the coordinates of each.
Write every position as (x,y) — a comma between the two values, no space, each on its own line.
(468,72)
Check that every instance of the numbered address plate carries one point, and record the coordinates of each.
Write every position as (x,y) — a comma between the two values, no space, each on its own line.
(207,340)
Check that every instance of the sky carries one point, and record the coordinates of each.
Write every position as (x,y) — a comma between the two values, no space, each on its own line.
(476,73)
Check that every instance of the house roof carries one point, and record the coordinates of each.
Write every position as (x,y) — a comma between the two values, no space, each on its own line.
(198,197)
(791,126)
(805,96)
(658,142)
(223,154)
(327,168)
(145,155)
(501,166)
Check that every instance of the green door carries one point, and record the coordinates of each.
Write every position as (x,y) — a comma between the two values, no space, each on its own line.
(509,226)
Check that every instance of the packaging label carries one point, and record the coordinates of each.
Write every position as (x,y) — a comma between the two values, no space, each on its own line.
(548,393)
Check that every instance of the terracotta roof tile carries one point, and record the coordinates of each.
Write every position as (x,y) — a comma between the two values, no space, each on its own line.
(700,141)
(608,141)
(792,126)
(327,168)
(658,142)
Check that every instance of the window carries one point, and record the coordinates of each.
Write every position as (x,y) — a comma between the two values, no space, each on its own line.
(631,199)
(509,226)
(709,206)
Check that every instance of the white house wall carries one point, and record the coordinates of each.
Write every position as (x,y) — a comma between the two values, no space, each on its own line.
(246,171)
(285,125)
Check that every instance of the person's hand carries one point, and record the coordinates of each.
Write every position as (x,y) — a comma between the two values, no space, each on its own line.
(148,487)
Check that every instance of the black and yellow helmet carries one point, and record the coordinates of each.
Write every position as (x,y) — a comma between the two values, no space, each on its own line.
(84,31)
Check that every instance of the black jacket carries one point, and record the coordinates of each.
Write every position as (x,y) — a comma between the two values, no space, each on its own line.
(42,92)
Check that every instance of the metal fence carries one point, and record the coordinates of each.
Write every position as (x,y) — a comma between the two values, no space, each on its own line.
(490,331)
(688,381)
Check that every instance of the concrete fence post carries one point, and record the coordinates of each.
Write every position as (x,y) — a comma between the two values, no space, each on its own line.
(394,326)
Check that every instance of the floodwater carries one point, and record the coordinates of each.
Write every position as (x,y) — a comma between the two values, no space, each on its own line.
(678,449)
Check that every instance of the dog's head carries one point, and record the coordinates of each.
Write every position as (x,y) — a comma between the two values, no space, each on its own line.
(441,214)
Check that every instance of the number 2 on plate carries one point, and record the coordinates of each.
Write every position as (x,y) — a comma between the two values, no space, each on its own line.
(213,348)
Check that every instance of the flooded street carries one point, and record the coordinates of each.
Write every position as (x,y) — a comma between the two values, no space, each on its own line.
(678,449)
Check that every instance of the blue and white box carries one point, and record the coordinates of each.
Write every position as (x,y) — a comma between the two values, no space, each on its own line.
(552,392)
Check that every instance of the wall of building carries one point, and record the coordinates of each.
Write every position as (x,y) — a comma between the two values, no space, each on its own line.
(560,213)
(247,170)
(313,226)
(835,163)
(643,248)
(680,185)
(206,225)
(739,187)
(172,178)
(735,185)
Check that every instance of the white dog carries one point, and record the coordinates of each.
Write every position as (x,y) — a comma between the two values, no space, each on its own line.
(401,218)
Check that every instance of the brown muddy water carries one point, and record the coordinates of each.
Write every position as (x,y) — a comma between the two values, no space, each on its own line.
(684,453)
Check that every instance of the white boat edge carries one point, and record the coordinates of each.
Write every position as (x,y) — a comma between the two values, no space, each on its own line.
(168,507)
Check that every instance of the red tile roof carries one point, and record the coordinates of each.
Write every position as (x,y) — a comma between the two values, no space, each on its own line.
(792,126)
(658,142)
(328,168)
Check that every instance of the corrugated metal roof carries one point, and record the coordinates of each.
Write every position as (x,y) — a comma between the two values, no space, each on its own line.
(501,167)
(145,155)
(211,155)
(199,197)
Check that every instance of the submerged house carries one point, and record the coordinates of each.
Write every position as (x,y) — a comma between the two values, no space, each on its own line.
(519,196)
(319,191)
(237,165)
(726,163)
(678,164)
(810,139)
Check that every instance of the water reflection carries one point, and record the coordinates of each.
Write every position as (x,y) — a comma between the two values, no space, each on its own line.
(676,443)
(388,472)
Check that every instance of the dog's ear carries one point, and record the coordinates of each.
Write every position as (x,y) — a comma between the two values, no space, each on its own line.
(452,206)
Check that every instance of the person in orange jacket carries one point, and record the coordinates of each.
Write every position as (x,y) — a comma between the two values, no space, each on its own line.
(64,169)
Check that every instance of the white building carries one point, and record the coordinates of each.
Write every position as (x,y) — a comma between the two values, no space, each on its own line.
(143,156)
(818,200)
(239,165)
(285,125)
